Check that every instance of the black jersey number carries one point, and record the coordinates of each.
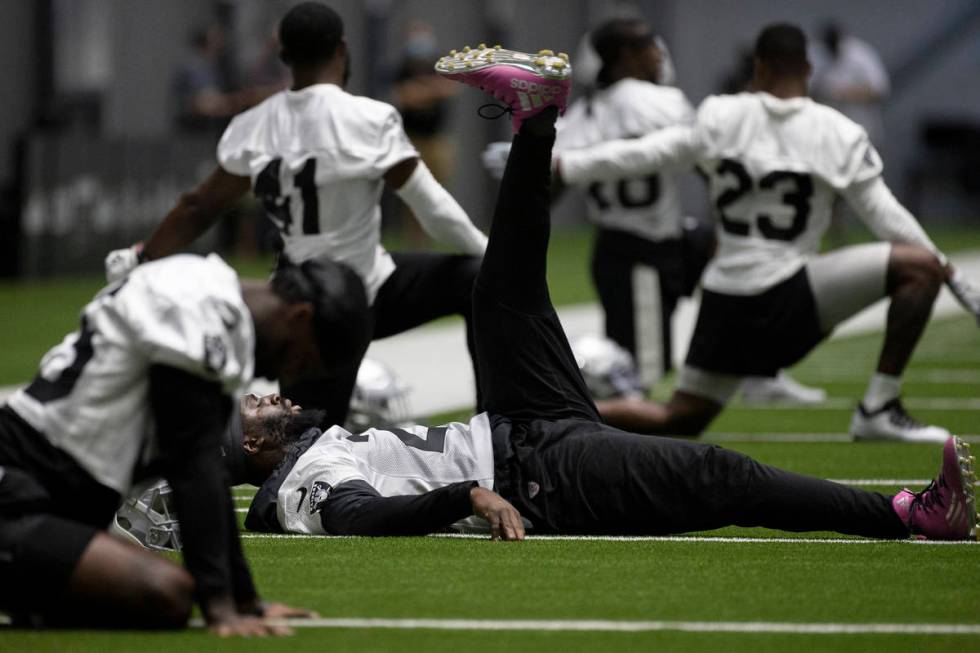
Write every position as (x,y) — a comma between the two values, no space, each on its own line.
(797,197)
(62,366)
(268,189)
(435,438)
(628,193)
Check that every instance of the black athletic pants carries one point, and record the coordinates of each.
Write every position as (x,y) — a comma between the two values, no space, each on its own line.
(565,470)
(424,286)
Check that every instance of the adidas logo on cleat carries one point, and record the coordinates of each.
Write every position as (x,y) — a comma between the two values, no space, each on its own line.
(548,90)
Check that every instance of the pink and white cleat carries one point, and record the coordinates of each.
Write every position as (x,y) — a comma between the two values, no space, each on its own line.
(946,509)
(526,83)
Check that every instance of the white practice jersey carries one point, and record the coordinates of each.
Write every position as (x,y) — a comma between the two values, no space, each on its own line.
(317,158)
(774,168)
(396,462)
(648,205)
(91,395)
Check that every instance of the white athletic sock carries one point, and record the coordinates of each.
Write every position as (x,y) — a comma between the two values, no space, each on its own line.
(882,388)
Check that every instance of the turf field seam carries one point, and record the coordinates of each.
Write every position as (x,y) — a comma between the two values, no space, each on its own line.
(599,625)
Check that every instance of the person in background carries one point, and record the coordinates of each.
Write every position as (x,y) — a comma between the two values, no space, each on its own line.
(849,75)
(423,98)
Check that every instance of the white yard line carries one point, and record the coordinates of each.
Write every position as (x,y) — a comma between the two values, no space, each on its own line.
(730,438)
(638,538)
(616,626)
(848,403)
(944,375)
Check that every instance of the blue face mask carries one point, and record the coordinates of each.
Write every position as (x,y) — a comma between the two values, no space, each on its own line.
(421,46)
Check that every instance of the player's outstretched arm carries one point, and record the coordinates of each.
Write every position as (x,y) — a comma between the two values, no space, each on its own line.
(885,216)
(672,147)
(875,204)
(193,214)
(356,508)
(436,210)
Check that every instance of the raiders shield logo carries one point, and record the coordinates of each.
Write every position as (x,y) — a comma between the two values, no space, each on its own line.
(215,354)
(318,494)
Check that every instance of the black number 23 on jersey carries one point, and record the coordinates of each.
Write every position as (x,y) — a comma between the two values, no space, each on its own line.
(797,190)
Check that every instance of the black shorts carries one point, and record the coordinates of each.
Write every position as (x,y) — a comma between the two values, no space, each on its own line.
(628,308)
(50,509)
(756,335)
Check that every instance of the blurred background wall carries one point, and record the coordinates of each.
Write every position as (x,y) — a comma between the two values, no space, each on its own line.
(82,76)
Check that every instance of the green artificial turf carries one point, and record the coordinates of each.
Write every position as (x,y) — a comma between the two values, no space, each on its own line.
(690,580)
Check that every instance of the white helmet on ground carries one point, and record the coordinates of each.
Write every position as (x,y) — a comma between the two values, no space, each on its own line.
(380,399)
(608,369)
(148,518)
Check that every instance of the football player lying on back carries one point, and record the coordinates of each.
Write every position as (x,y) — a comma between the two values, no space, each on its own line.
(541,450)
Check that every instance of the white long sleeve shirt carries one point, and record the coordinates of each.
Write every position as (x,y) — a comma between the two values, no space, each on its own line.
(774,167)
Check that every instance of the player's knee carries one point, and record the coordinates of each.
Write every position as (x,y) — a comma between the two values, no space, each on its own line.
(919,267)
(167,596)
(689,415)
(687,423)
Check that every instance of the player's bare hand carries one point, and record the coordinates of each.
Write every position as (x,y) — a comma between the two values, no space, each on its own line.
(247,626)
(505,521)
(283,611)
(224,620)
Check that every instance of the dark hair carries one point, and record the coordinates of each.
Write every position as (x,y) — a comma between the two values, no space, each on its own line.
(310,33)
(782,47)
(610,39)
(341,315)
(284,428)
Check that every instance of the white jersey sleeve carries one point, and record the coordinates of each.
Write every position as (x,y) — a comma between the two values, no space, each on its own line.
(90,397)
(885,216)
(667,149)
(648,204)
(395,462)
(316,158)
(439,213)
